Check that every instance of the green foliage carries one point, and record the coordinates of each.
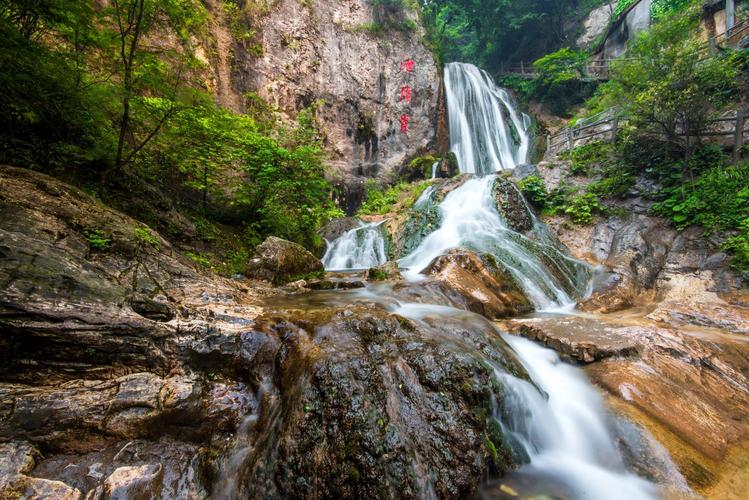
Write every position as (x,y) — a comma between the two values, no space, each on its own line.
(69,100)
(420,168)
(97,240)
(615,182)
(200,260)
(622,5)
(561,80)
(561,67)
(718,200)
(661,9)
(584,159)
(738,246)
(378,201)
(377,274)
(490,32)
(668,87)
(534,190)
(144,235)
(580,208)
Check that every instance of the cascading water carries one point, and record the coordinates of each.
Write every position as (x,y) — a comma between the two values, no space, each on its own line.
(360,248)
(487,135)
(555,421)
(563,432)
(557,424)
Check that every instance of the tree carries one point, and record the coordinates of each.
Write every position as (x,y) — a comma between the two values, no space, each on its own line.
(669,86)
(155,79)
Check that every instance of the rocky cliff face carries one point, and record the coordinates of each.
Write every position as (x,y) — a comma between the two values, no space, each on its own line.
(349,54)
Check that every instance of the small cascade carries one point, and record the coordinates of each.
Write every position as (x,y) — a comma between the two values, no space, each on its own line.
(360,248)
(470,220)
(435,165)
(560,426)
(487,133)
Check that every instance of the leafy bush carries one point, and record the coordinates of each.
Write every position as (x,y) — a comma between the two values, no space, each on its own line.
(379,202)
(621,6)
(143,234)
(615,182)
(583,159)
(580,208)
(717,200)
(738,246)
(534,190)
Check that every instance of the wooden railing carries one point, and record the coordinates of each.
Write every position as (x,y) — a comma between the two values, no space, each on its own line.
(606,126)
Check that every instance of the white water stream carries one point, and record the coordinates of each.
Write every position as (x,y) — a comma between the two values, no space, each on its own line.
(360,248)
(487,133)
(482,121)
(560,423)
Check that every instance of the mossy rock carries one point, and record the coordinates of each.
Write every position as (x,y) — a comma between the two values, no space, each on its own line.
(280,261)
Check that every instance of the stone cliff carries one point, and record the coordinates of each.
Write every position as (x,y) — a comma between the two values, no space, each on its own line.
(350,55)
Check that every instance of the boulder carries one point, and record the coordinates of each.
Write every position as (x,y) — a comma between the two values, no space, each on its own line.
(387,407)
(524,170)
(338,227)
(280,261)
(17,460)
(388,271)
(637,253)
(486,289)
(126,483)
(512,206)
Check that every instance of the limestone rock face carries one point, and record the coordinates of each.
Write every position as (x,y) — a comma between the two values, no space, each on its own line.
(134,482)
(487,290)
(280,261)
(349,54)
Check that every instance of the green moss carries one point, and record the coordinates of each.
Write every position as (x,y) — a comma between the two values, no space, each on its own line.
(377,274)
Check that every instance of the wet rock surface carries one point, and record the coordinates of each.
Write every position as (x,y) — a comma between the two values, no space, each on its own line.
(578,339)
(487,289)
(129,373)
(390,407)
(692,385)
(280,261)
(512,206)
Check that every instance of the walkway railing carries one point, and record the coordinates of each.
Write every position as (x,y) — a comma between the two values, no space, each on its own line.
(605,125)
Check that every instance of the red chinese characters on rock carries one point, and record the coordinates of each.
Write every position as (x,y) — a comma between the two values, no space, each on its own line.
(405,93)
(408,65)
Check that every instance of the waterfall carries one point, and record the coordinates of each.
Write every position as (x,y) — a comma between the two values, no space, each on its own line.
(360,248)
(479,114)
(487,133)
(564,432)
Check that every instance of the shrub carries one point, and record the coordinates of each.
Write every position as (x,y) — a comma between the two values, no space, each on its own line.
(717,200)
(584,159)
(580,208)
(534,190)
(738,246)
